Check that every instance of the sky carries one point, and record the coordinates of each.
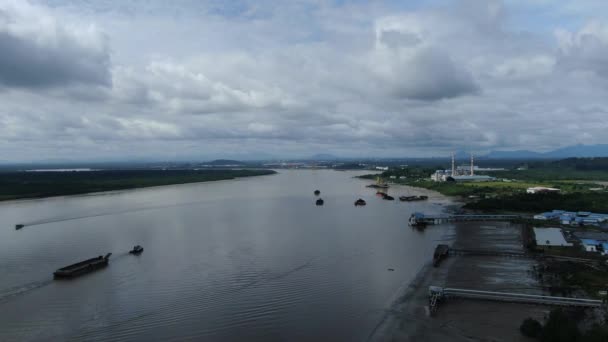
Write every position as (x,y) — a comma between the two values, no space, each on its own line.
(255,79)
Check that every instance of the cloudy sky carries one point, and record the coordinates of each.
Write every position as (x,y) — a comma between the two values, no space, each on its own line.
(112,79)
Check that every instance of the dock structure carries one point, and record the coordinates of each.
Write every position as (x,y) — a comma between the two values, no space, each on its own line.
(489,252)
(443,251)
(421,219)
(439,294)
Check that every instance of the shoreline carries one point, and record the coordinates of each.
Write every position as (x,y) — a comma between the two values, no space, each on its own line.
(408,318)
(120,190)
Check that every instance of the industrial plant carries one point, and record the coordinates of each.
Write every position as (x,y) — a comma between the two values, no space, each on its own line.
(463,173)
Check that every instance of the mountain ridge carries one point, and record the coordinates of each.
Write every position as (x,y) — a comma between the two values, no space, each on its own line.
(578,151)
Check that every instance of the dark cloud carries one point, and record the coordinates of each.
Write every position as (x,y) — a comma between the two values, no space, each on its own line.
(431,75)
(45,54)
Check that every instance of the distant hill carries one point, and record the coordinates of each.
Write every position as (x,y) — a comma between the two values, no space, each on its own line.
(225,162)
(580,151)
(584,164)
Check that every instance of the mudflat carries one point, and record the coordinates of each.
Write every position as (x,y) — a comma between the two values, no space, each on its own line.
(467,320)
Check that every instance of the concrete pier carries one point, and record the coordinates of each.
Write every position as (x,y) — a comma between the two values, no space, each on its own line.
(439,294)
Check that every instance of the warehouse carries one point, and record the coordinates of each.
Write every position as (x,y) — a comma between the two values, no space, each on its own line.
(550,237)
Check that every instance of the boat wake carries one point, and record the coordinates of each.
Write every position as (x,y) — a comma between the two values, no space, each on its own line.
(106,213)
(7,294)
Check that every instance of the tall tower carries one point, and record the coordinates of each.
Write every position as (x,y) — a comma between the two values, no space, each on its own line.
(453,166)
(472,164)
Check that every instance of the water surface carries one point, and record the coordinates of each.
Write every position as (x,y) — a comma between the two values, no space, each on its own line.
(245,259)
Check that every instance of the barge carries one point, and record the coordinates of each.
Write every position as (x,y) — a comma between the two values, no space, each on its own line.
(413,198)
(441,252)
(83,267)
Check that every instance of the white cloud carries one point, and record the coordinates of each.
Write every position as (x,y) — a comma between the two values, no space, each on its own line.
(585,49)
(292,78)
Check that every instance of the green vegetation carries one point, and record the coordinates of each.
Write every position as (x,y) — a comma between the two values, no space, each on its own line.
(15,185)
(562,326)
(522,202)
(531,328)
(564,277)
(575,177)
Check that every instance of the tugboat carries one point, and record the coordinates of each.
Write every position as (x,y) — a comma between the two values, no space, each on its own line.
(317,192)
(136,250)
(83,267)
(319,201)
(19,226)
(359,202)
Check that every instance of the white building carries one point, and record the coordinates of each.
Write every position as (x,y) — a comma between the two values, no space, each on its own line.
(550,237)
(538,189)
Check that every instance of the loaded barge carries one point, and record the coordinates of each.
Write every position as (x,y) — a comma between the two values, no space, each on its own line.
(83,267)
(413,198)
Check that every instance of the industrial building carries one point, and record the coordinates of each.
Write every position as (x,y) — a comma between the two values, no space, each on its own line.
(573,218)
(460,173)
(550,237)
(473,178)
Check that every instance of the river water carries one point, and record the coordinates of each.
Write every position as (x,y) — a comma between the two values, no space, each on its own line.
(246,259)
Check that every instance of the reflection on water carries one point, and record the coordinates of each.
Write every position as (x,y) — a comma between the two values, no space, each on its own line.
(247,259)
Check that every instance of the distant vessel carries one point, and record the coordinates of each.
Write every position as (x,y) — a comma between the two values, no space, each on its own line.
(360,202)
(388,197)
(83,267)
(317,192)
(136,250)
(19,226)
(319,201)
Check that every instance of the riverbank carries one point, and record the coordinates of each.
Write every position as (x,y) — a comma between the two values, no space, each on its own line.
(509,194)
(24,185)
(464,320)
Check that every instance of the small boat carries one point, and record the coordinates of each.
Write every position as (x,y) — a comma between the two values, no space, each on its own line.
(388,197)
(319,201)
(360,202)
(136,250)
(19,226)
(83,267)
(317,192)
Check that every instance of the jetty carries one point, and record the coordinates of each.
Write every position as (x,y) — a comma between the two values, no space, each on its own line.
(438,294)
(421,219)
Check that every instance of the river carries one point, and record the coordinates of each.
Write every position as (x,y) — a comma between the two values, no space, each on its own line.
(245,259)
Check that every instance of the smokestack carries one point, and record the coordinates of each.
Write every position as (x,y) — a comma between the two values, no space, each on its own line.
(471,164)
(453,166)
